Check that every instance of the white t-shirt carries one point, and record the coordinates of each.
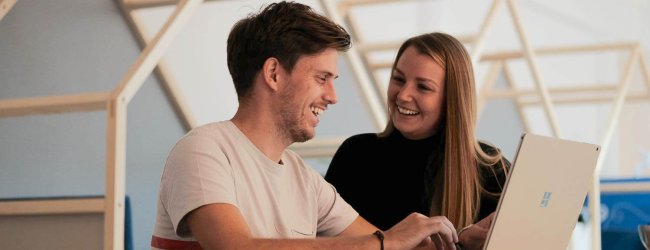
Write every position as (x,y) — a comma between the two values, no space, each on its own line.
(217,163)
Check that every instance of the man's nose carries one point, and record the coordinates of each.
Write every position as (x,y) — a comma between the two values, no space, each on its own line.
(330,94)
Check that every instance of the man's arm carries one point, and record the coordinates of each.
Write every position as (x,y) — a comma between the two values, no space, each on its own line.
(221,226)
(359,226)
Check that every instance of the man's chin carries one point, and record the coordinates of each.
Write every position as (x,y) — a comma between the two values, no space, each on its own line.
(303,136)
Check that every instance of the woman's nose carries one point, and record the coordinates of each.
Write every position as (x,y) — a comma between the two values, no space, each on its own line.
(405,93)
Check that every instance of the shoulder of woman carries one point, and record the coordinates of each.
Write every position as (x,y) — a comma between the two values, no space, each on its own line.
(491,149)
(361,139)
(353,143)
(488,147)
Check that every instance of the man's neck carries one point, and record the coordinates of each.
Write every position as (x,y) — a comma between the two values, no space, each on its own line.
(260,129)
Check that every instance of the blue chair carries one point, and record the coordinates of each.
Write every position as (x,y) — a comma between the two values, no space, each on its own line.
(622,212)
(128,227)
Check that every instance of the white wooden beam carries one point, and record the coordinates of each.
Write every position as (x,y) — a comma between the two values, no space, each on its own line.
(117,107)
(587,99)
(153,52)
(162,72)
(378,46)
(5,7)
(318,147)
(594,193)
(345,5)
(534,69)
(374,103)
(363,58)
(394,45)
(115,175)
(625,187)
(645,70)
(366,2)
(515,54)
(53,104)
(619,101)
(556,90)
(507,73)
(490,79)
(51,206)
(143,4)
(479,43)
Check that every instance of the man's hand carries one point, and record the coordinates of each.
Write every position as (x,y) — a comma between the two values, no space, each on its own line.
(473,238)
(420,230)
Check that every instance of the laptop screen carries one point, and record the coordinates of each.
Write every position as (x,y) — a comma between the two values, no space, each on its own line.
(544,193)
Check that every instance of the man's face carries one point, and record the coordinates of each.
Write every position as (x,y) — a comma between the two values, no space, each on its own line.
(305,94)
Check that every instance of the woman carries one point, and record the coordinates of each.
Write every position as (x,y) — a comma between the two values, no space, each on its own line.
(427,160)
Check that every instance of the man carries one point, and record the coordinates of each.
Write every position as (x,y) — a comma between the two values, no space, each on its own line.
(234,185)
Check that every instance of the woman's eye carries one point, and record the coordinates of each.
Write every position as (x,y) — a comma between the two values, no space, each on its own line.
(398,79)
(423,87)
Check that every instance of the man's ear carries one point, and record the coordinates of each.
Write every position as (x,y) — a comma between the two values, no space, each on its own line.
(270,71)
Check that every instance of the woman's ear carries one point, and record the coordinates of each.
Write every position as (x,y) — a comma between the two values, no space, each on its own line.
(270,71)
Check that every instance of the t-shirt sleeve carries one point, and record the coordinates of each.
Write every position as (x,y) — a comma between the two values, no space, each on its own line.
(334,214)
(196,173)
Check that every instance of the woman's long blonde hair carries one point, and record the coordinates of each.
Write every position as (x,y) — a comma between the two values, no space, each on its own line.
(460,197)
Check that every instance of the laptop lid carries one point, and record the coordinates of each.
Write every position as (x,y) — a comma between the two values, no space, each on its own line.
(543,195)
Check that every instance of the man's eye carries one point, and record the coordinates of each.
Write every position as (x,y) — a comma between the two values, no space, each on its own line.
(398,79)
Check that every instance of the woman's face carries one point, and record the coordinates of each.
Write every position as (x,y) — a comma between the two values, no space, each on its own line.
(416,94)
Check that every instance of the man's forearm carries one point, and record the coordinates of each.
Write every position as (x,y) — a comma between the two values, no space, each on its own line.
(370,242)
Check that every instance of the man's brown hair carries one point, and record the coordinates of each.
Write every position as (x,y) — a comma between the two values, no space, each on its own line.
(284,30)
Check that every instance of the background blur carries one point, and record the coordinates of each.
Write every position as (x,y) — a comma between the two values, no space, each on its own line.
(77,46)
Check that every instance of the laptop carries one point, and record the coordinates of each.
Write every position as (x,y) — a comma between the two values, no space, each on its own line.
(544,193)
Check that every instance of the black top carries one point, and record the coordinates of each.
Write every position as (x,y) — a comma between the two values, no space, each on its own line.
(386,179)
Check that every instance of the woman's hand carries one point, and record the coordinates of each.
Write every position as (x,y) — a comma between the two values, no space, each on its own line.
(474,236)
